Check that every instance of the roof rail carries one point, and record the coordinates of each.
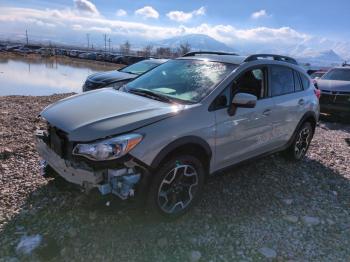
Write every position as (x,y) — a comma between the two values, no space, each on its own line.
(207,53)
(345,64)
(274,57)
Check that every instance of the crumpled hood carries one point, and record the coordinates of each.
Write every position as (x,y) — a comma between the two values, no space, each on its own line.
(333,85)
(105,112)
(110,76)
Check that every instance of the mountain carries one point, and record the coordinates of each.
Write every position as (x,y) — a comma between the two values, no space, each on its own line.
(316,57)
(197,42)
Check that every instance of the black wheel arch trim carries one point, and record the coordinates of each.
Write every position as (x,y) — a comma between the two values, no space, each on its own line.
(306,116)
(178,143)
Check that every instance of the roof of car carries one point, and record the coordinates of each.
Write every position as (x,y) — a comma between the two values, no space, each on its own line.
(232,59)
(236,59)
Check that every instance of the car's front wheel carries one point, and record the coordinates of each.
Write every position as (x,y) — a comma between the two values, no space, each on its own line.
(301,142)
(177,186)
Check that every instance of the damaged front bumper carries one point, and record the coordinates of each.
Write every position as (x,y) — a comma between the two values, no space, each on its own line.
(125,181)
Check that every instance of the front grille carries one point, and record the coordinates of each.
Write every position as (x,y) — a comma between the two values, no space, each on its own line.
(343,99)
(334,99)
(59,143)
(327,99)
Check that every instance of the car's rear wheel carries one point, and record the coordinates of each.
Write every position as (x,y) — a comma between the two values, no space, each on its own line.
(177,186)
(301,142)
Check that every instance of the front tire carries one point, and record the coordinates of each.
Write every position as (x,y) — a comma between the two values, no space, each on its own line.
(301,142)
(177,186)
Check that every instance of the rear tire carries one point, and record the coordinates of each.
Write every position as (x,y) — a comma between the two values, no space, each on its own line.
(177,186)
(302,139)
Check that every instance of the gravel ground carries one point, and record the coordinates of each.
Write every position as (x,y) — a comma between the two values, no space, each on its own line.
(270,209)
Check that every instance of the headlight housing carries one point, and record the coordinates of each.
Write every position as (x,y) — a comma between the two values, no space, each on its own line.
(108,149)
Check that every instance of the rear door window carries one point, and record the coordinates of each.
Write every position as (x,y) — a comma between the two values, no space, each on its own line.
(281,80)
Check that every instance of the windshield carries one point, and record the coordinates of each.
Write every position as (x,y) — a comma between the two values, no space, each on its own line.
(182,79)
(337,74)
(139,68)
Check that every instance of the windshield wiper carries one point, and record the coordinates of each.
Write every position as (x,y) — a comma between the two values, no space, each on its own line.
(150,94)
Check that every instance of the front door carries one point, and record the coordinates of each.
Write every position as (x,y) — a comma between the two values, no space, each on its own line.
(248,132)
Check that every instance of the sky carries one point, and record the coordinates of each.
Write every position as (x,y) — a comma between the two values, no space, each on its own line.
(295,26)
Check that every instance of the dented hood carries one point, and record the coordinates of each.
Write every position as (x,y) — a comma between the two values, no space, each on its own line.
(105,112)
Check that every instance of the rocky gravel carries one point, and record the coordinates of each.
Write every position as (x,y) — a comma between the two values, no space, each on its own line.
(266,210)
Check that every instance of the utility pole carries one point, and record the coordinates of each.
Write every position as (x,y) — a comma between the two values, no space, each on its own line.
(105,43)
(27,37)
(88,40)
(109,44)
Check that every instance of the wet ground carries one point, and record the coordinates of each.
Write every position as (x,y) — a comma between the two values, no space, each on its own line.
(35,75)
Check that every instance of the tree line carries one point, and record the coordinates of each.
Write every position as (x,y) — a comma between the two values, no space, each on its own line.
(160,52)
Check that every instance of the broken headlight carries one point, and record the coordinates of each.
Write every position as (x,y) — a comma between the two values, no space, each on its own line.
(108,149)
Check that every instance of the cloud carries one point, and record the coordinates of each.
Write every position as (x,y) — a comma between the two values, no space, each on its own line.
(180,16)
(260,14)
(147,12)
(86,7)
(121,12)
(77,27)
(105,30)
(199,11)
(70,26)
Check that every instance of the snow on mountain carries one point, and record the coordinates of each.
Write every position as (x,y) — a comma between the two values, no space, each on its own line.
(197,42)
(303,53)
(316,57)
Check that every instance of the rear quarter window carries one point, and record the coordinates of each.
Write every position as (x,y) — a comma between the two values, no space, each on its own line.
(306,81)
(297,82)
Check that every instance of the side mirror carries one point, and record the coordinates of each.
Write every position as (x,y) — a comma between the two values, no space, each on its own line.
(244,100)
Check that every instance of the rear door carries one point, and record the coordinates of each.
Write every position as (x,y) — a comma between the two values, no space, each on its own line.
(248,132)
(287,93)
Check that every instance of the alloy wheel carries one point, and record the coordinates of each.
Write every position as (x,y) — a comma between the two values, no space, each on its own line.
(178,188)
(302,142)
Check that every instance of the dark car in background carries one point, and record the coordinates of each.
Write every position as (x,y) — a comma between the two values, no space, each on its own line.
(127,59)
(335,90)
(117,78)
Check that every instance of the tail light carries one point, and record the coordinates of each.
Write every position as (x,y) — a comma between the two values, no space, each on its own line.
(317,93)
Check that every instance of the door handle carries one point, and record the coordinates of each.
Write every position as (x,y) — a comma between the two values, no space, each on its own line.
(267,112)
(301,102)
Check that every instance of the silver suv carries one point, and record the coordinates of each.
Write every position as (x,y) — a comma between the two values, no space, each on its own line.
(159,136)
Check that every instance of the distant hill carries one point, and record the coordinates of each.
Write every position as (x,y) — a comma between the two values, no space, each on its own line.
(197,42)
(324,57)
